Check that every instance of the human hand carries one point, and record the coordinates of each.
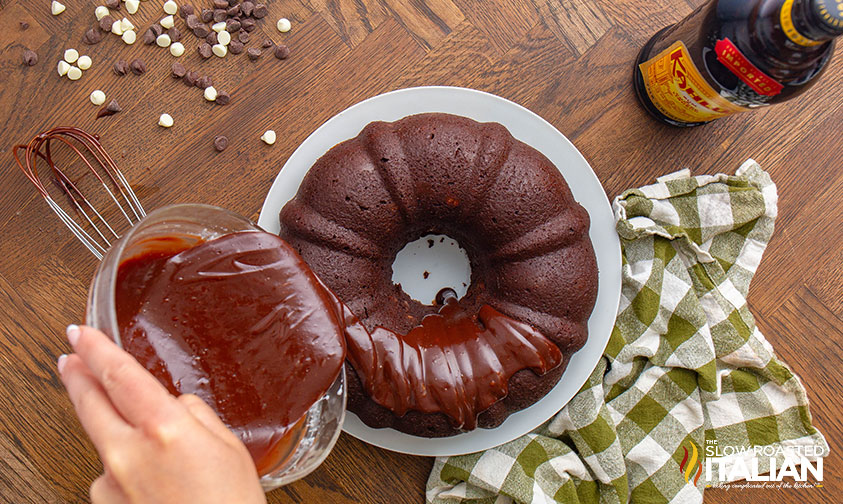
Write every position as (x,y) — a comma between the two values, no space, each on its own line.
(155,448)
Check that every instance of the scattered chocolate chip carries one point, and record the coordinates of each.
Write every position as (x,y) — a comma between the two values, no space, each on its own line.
(109,110)
(106,22)
(186,10)
(232,25)
(220,143)
(248,24)
(260,11)
(243,36)
(191,21)
(24,25)
(121,67)
(220,4)
(157,29)
(211,38)
(247,8)
(207,15)
(113,4)
(137,66)
(223,98)
(149,37)
(219,15)
(201,31)
(254,53)
(235,47)
(178,70)
(190,78)
(204,82)
(266,43)
(175,34)
(233,11)
(205,50)
(29,57)
(92,36)
(282,52)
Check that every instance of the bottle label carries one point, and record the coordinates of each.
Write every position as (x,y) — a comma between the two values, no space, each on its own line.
(790,29)
(679,91)
(733,59)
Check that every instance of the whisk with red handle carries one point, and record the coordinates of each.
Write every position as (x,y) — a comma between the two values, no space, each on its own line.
(95,160)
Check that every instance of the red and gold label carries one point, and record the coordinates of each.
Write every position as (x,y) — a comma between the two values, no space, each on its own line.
(679,91)
(733,59)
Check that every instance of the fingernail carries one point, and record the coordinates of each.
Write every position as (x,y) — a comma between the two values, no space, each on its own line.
(61,362)
(73,334)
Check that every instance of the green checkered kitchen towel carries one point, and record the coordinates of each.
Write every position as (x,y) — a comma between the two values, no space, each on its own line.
(685,367)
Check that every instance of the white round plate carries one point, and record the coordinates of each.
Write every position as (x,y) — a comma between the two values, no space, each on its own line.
(532,130)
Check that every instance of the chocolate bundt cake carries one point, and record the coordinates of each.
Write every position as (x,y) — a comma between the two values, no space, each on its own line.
(440,370)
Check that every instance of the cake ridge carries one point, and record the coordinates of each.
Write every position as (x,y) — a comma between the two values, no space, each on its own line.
(522,247)
(496,165)
(388,168)
(326,231)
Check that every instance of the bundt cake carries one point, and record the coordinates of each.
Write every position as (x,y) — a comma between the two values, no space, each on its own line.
(439,370)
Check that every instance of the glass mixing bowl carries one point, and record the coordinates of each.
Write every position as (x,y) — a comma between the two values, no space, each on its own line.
(193,224)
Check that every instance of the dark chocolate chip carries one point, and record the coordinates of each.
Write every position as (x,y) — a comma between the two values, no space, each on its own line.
(220,142)
(191,21)
(178,70)
(235,47)
(190,78)
(113,4)
(248,24)
(29,57)
(223,98)
(232,25)
(207,15)
(92,36)
(247,8)
(266,43)
(137,66)
(220,4)
(186,10)
(201,31)
(157,29)
(233,11)
(112,108)
(205,50)
(106,22)
(254,53)
(219,15)
(243,36)
(24,25)
(282,52)
(149,37)
(260,11)
(175,34)
(212,38)
(121,67)
(204,82)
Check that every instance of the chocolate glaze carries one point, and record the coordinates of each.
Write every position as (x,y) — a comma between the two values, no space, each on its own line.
(454,363)
(240,321)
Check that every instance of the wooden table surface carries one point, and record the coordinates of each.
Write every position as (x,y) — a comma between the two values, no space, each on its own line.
(570,61)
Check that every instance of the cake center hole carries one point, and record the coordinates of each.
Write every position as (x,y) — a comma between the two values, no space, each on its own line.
(432,263)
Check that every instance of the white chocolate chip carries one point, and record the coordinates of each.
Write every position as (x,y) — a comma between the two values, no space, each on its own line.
(100,12)
(84,62)
(167,22)
(64,66)
(129,37)
(126,25)
(220,50)
(210,93)
(132,6)
(71,55)
(177,49)
(117,28)
(166,120)
(163,40)
(218,27)
(224,38)
(73,73)
(97,97)
(283,25)
(268,137)
(57,8)
(170,7)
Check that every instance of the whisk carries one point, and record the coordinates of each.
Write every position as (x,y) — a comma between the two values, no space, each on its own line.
(96,160)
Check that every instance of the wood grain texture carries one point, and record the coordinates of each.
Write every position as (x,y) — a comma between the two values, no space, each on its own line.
(570,61)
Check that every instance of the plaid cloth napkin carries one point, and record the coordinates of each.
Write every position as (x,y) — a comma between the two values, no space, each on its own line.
(685,366)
